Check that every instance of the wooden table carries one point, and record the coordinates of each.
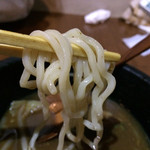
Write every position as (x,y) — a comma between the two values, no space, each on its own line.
(109,34)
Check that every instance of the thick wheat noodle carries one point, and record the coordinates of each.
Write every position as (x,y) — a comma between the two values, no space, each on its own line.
(83,97)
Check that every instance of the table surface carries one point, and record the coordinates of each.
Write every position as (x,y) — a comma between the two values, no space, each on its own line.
(109,33)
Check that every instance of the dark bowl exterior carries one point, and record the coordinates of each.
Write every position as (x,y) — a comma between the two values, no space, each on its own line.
(132,89)
(133,92)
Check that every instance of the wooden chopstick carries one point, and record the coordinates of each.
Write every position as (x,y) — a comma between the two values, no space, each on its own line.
(136,50)
(18,42)
(10,50)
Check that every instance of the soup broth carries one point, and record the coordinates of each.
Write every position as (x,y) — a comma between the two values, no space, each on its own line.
(121,130)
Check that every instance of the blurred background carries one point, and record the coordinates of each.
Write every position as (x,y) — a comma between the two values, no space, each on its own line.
(82,7)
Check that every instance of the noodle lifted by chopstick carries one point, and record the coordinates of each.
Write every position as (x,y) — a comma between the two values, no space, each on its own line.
(83,97)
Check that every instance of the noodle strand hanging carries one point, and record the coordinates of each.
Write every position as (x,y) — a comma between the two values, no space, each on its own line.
(83,94)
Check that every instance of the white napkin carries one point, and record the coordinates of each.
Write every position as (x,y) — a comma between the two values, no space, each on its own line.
(144,28)
(11,10)
(97,16)
(145,53)
(132,41)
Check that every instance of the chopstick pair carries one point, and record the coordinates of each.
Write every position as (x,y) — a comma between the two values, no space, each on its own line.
(12,44)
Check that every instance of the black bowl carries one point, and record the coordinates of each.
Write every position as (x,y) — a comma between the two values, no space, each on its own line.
(133,92)
(132,89)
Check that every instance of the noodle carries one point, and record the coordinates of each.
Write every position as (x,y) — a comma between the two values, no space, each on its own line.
(83,97)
